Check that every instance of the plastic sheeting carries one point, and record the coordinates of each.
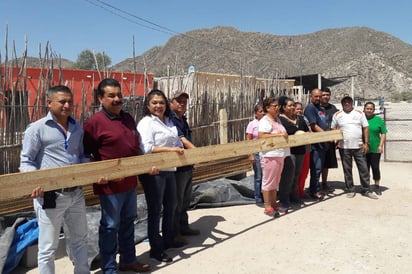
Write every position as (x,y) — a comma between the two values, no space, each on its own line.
(217,193)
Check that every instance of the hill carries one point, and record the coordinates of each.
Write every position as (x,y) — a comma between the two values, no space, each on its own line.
(36,62)
(381,63)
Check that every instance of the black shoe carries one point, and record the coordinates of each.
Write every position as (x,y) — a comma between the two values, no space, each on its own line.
(317,195)
(378,190)
(176,244)
(187,231)
(326,188)
(163,258)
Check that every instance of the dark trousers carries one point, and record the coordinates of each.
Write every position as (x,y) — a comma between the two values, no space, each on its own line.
(347,156)
(317,160)
(373,160)
(160,191)
(286,181)
(184,197)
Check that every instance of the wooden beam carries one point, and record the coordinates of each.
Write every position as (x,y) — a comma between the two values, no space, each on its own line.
(18,185)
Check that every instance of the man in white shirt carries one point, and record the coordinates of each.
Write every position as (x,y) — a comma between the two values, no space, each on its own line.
(354,145)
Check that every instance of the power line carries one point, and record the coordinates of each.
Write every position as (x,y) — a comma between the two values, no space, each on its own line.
(154,26)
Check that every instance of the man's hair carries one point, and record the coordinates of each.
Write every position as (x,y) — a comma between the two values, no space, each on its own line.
(326,89)
(108,82)
(60,88)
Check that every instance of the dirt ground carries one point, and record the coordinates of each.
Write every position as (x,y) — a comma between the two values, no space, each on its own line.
(336,235)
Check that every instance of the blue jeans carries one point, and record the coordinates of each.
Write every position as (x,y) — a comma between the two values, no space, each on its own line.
(160,190)
(317,160)
(70,212)
(257,169)
(347,156)
(184,197)
(119,212)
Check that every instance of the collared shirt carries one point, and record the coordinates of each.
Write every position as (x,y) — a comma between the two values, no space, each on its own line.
(183,129)
(46,145)
(351,124)
(155,133)
(252,128)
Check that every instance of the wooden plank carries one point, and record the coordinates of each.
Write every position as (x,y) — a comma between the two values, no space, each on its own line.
(18,185)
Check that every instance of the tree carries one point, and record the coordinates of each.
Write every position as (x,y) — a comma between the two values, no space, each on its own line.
(88,60)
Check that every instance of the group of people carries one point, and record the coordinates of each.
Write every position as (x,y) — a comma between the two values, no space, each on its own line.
(279,175)
(58,140)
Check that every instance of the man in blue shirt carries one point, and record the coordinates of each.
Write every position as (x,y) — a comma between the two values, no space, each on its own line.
(184,174)
(55,141)
(315,114)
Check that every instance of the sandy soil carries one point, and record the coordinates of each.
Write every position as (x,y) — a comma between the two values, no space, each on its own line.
(336,235)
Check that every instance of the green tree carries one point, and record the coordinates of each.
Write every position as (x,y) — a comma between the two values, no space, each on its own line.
(86,60)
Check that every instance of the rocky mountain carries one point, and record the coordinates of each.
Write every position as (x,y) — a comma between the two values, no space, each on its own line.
(37,62)
(380,63)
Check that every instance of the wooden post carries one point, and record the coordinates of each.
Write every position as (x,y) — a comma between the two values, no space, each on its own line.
(223,126)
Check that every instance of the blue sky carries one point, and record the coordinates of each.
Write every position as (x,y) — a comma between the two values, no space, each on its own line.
(74,25)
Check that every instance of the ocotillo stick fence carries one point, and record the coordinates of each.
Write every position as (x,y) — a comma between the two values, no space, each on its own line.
(18,185)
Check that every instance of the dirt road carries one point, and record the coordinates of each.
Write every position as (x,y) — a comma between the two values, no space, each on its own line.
(336,235)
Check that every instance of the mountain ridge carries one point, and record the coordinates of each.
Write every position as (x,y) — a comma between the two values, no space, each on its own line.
(381,63)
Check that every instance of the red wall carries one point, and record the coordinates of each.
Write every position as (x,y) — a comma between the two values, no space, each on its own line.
(79,81)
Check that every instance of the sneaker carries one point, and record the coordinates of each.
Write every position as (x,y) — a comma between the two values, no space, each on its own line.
(350,194)
(282,209)
(370,195)
(378,190)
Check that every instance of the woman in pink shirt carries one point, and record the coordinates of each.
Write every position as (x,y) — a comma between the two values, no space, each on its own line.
(252,134)
(271,161)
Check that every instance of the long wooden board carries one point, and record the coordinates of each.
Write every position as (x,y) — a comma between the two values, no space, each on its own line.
(17,185)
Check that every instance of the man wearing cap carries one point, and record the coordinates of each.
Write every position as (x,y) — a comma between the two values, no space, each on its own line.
(354,145)
(184,174)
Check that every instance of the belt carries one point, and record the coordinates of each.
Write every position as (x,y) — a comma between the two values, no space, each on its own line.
(67,189)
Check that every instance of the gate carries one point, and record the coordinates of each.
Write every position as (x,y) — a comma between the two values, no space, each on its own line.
(398,120)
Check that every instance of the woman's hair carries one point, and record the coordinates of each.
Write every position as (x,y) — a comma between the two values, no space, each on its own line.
(267,102)
(283,102)
(257,107)
(149,97)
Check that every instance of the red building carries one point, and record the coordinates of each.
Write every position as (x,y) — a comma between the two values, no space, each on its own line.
(35,81)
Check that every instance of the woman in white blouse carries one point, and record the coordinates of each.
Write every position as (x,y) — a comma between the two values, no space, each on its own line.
(159,134)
